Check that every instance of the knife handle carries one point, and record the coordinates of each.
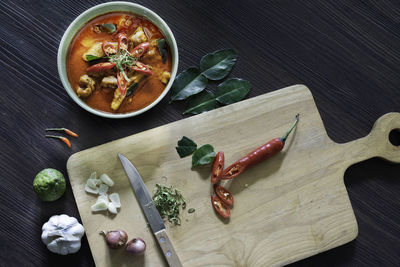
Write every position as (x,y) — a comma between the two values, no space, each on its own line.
(167,248)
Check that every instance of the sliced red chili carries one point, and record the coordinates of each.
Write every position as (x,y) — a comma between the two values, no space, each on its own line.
(101,67)
(108,48)
(224,194)
(142,68)
(122,83)
(220,207)
(217,167)
(127,22)
(122,41)
(140,50)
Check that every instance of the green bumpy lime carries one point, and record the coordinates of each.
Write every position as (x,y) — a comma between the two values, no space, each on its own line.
(49,184)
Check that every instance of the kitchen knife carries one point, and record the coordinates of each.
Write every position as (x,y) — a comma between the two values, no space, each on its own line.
(150,211)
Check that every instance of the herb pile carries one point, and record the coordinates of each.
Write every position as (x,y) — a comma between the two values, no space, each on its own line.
(201,156)
(123,59)
(167,201)
(191,83)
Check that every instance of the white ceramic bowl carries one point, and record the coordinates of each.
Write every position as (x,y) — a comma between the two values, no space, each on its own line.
(95,11)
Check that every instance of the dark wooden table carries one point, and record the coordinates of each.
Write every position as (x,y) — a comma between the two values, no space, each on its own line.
(346,52)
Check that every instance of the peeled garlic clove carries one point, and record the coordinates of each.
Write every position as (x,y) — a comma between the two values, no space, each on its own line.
(99,206)
(114,197)
(111,208)
(107,180)
(91,190)
(103,189)
(103,198)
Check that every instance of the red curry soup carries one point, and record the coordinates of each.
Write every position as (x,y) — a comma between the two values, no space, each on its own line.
(119,62)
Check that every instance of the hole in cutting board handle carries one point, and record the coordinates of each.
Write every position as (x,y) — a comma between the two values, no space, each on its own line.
(394,137)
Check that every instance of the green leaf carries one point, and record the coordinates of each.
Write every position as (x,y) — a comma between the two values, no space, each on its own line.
(203,155)
(91,57)
(217,65)
(108,27)
(200,103)
(185,147)
(162,47)
(188,82)
(131,89)
(232,90)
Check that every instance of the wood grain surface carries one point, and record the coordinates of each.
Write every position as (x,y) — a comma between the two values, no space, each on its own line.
(346,52)
(289,208)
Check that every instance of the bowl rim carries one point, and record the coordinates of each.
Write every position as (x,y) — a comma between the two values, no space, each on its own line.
(87,13)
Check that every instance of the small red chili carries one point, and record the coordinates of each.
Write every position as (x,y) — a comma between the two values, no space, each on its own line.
(122,41)
(140,50)
(220,207)
(67,131)
(142,68)
(101,67)
(258,155)
(224,194)
(108,48)
(65,140)
(217,167)
(122,83)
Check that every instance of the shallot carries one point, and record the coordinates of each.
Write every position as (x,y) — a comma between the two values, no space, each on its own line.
(136,246)
(116,238)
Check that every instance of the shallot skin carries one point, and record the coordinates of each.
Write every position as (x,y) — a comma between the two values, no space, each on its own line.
(136,246)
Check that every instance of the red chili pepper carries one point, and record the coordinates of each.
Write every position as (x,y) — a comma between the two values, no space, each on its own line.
(108,48)
(101,67)
(71,133)
(65,140)
(260,154)
(122,83)
(140,50)
(142,68)
(220,207)
(224,194)
(122,41)
(217,167)
(127,22)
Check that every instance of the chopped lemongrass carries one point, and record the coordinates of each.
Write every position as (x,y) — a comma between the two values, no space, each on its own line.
(103,189)
(114,197)
(99,206)
(103,198)
(111,208)
(91,190)
(93,175)
(92,183)
(107,180)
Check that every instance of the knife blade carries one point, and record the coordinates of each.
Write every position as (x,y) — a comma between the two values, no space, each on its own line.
(150,211)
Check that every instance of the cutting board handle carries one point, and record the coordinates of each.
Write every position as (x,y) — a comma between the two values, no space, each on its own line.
(376,143)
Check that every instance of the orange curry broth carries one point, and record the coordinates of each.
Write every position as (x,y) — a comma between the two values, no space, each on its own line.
(149,88)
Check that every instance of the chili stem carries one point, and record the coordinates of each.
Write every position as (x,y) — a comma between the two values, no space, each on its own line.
(288,132)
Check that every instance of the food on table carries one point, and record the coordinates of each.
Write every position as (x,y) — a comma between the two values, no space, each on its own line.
(191,210)
(217,167)
(220,207)
(62,234)
(67,131)
(113,52)
(185,147)
(116,238)
(49,184)
(100,186)
(136,246)
(64,139)
(167,201)
(224,194)
(258,155)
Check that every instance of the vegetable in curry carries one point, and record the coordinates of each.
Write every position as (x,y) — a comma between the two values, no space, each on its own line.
(119,62)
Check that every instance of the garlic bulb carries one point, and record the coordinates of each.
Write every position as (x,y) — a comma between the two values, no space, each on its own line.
(62,234)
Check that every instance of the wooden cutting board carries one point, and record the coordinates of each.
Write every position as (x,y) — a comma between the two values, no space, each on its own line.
(287,208)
